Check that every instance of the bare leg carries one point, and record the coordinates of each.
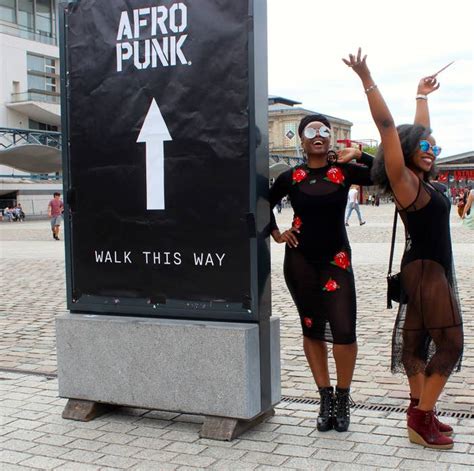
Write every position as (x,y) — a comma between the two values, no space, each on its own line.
(345,357)
(432,388)
(317,355)
(416,383)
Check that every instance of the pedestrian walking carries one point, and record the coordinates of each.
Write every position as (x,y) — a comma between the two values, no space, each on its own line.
(55,214)
(428,333)
(353,205)
(317,266)
(467,215)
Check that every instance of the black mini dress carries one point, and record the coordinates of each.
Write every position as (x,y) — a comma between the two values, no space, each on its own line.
(319,272)
(428,332)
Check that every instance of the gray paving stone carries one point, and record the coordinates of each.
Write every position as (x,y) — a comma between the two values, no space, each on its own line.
(13,457)
(264,458)
(82,456)
(119,450)
(307,463)
(421,465)
(264,447)
(42,462)
(180,436)
(81,444)
(17,445)
(152,466)
(338,456)
(181,447)
(457,458)
(294,450)
(193,460)
(294,440)
(371,448)
(220,453)
(295,430)
(57,440)
(379,461)
(119,462)
(155,455)
(228,465)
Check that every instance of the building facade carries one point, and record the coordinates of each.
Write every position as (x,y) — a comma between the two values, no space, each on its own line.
(284,116)
(29,103)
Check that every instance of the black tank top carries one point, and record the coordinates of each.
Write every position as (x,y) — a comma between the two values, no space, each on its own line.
(427,227)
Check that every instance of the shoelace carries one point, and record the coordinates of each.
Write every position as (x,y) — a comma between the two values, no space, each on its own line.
(326,404)
(343,403)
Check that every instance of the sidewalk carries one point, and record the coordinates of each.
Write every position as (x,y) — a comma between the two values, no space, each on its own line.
(34,436)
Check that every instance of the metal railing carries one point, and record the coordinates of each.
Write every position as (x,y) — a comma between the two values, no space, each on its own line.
(291,161)
(10,137)
(24,32)
(36,96)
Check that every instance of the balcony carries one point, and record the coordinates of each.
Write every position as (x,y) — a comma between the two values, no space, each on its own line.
(41,106)
(27,33)
(30,150)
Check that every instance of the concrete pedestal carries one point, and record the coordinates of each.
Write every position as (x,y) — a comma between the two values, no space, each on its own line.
(196,367)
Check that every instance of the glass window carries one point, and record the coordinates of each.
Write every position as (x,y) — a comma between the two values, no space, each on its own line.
(35,62)
(36,83)
(8,11)
(25,13)
(41,64)
(43,17)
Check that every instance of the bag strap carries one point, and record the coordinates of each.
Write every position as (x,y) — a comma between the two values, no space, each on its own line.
(392,249)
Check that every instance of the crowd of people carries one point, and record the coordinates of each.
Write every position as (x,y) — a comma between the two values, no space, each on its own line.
(427,338)
(14,214)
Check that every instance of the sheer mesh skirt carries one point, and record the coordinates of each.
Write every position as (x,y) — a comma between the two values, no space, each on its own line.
(325,297)
(428,332)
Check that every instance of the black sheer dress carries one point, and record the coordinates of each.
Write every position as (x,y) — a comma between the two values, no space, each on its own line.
(428,333)
(318,272)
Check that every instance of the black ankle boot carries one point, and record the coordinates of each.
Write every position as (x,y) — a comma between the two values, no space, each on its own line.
(342,409)
(325,417)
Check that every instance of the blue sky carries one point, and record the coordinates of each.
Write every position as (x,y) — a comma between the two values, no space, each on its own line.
(404,40)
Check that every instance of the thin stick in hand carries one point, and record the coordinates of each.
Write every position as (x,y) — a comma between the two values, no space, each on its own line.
(439,71)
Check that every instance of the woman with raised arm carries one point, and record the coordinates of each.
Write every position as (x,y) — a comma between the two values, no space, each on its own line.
(428,333)
(317,266)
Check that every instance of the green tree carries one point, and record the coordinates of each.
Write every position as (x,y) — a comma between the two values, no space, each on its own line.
(372,150)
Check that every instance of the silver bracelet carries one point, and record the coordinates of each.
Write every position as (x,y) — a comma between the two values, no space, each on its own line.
(421,97)
(372,87)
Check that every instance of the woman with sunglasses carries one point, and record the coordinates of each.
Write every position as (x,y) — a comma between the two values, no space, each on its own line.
(428,334)
(317,266)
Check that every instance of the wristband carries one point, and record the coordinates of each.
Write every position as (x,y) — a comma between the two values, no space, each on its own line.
(421,97)
(369,89)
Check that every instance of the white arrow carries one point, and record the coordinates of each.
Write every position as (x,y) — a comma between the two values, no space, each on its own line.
(154,133)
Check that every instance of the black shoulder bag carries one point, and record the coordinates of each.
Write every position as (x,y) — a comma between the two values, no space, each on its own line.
(394,283)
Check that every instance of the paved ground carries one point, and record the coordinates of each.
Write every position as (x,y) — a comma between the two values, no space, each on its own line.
(34,436)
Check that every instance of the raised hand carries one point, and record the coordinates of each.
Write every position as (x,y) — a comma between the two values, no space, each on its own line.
(428,85)
(358,64)
(344,156)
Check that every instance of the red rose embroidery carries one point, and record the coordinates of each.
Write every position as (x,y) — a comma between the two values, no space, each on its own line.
(341,260)
(331,285)
(297,222)
(308,322)
(299,175)
(335,175)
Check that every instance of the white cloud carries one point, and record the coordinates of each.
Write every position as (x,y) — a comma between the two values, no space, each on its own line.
(404,40)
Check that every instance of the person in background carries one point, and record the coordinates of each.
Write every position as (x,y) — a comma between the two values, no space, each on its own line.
(467,215)
(55,214)
(353,204)
(427,341)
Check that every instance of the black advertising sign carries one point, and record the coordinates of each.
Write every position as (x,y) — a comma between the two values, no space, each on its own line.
(162,113)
